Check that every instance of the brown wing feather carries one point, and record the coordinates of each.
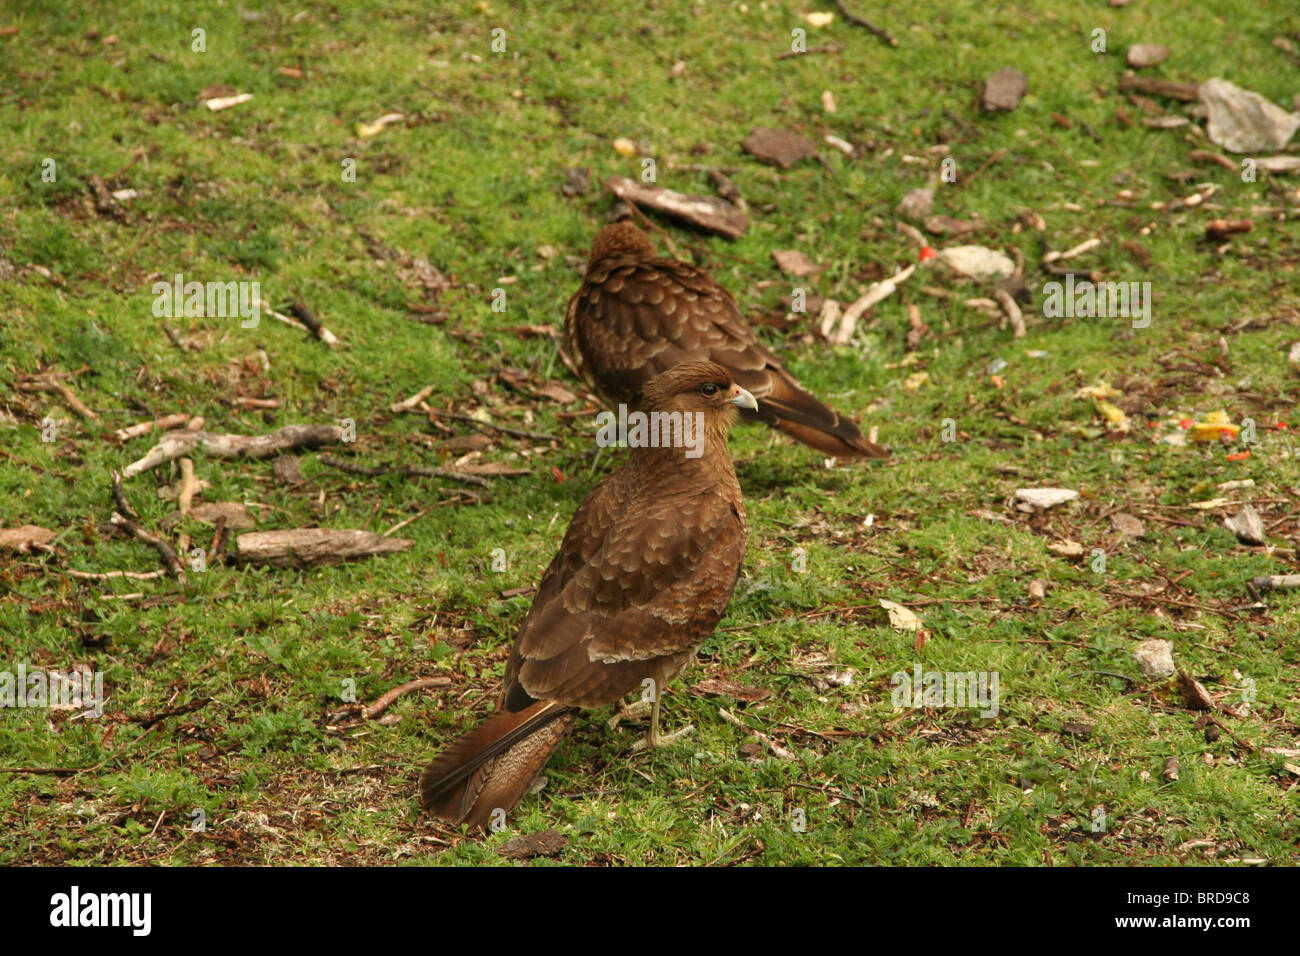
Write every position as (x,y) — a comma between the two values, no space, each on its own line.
(637,316)
(631,598)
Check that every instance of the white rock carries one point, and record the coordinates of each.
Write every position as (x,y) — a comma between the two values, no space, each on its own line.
(1155,659)
(917,204)
(1242,121)
(1044,498)
(1246,525)
(1147,54)
(977,262)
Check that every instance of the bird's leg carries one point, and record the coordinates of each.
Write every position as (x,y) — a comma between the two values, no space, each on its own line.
(653,740)
(629,712)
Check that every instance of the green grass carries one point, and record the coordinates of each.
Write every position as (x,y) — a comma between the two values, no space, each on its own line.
(221,691)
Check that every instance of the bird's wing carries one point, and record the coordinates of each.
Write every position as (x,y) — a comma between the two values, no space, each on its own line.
(640,580)
(634,318)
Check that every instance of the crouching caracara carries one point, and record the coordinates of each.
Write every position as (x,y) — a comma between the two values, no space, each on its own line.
(637,315)
(645,572)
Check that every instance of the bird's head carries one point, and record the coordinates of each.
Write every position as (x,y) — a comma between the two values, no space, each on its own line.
(621,238)
(698,387)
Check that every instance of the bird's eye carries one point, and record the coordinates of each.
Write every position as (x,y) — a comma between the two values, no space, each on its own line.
(708,388)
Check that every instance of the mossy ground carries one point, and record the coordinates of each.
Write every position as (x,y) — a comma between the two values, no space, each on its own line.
(221,690)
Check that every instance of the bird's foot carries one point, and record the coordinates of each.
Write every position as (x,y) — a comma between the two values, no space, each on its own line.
(653,740)
(634,711)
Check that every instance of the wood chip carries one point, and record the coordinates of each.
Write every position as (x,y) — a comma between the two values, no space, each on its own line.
(530,845)
(1195,696)
(1004,90)
(795,263)
(217,103)
(24,538)
(704,212)
(778,147)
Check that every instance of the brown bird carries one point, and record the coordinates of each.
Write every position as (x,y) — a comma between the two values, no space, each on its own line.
(645,572)
(637,315)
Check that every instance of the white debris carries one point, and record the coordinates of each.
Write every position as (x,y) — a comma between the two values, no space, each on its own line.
(1044,498)
(1242,121)
(977,262)
(1155,659)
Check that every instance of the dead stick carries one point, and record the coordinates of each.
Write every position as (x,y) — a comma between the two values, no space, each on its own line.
(144,428)
(110,575)
(1013,312)
(828,48)
(386,699)
(180,443)
(308,318)
(58,388)
(865,24)
(119,497)
(1187,92)
(410,471)
(1276,582)
(993,158)
(517,432)
(168,553)
(185,497)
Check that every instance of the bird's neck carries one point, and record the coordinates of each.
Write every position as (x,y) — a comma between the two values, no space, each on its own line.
(706,454)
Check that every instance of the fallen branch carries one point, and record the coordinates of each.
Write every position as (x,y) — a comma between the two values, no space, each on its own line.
(856,20)
(504,429)
(119,498)
(1085,246)
(879,291)
(170,559)
(407,404)
(1222,228)
(1012,310)
(827,48)
(993,158)
(308,318)
(1205,156)
(181,443)
(1276,582)
(304,320)
(143,428)
(111,575)
(47,384)
(388,698)
(308,547)
(917,329)
(1187,92)
(410,471)
(185,496)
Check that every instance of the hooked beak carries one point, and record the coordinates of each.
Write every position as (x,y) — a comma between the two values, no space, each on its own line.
(741,398)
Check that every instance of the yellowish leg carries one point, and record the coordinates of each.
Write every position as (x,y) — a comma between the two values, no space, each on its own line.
(653,740)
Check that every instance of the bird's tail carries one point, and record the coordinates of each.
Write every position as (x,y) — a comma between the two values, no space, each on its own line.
(490,767)
(798,414)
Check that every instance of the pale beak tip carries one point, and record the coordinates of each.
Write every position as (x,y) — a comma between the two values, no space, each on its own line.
(745,400)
